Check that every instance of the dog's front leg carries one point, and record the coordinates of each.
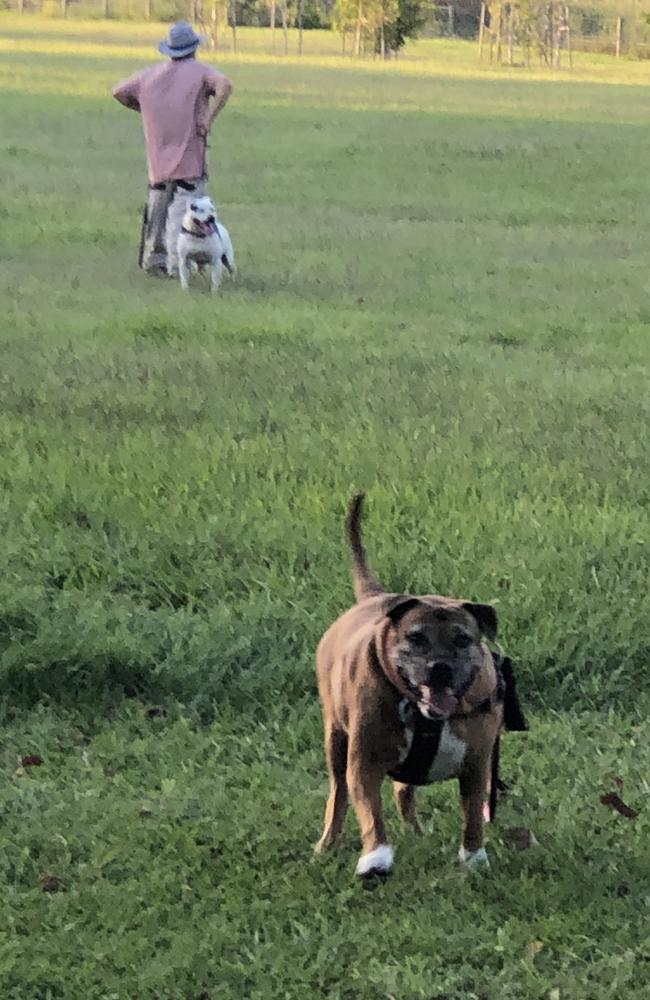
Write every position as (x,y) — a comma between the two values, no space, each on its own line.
(184,274)
(472,792)
(364,784)
(215,276)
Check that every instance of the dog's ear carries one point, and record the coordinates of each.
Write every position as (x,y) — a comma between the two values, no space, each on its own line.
(486,618)
(400,606)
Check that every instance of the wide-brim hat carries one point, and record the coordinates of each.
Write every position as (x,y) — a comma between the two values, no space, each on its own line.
(181,41)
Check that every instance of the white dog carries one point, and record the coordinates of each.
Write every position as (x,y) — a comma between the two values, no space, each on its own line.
(204,242)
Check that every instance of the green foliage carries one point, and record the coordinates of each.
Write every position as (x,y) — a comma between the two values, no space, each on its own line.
(184,853)
(408,22)
(443,300)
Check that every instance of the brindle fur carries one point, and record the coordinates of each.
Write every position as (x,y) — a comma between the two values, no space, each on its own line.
(363,732)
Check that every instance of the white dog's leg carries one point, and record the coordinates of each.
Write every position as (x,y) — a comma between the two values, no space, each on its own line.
(228,256)
(215,276)
(184,274)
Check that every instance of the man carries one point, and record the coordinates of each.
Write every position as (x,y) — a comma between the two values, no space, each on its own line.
(179,102)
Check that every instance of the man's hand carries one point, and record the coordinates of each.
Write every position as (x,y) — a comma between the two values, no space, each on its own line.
(220,92)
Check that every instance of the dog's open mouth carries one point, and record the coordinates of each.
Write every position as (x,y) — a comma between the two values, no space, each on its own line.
(437,703)
(207,226)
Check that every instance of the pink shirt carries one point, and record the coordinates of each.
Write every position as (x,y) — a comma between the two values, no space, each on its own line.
(173,98)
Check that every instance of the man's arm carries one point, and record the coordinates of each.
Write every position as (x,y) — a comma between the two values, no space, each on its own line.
(220,89)
(127,92)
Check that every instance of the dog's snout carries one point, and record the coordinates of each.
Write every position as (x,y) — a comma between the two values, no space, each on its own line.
(442,674)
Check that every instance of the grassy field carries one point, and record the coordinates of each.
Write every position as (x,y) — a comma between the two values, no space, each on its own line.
(443,299)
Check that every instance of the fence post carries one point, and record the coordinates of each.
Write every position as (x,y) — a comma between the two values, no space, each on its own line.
(481,29)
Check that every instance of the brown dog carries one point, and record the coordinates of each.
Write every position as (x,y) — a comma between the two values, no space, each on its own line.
(410,690)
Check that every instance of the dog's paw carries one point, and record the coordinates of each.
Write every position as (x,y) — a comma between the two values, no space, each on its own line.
(474,859)
(377,862)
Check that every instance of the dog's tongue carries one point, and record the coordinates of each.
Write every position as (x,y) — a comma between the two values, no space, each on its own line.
(208,228)
(438,703)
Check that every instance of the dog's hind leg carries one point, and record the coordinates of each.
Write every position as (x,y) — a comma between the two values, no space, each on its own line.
(336,750)
(405,802)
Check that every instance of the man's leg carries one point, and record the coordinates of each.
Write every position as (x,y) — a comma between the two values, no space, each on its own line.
(184,191)
(154,256)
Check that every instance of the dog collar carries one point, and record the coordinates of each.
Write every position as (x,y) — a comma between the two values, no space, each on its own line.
(200,236)
(190,232)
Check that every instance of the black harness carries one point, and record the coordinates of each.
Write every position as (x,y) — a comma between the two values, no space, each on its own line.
(416,766)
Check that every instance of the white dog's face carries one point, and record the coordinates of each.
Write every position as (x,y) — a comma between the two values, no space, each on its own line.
(203,215)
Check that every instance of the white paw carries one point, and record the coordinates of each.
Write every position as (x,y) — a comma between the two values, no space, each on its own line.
(474,859)
(377,862)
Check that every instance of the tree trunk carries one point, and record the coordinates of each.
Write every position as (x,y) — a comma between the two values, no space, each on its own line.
(299,19)
(481,30)
(285,31)
(214,25)
(498,38)
(511,36)
(357,29)
(272,24)
(233,23)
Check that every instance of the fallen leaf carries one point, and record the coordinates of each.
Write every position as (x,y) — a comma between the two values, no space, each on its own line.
(554,994)
(614,801)
(52,883)
(521,838)
(32,760)
(533,949)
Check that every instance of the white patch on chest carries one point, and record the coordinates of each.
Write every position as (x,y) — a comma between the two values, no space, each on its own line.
(448,761)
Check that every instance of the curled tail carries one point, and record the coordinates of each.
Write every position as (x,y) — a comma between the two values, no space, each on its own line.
(365,582)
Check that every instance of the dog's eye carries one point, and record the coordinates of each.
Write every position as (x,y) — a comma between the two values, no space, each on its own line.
(418,639)
(193,207)
(462,640)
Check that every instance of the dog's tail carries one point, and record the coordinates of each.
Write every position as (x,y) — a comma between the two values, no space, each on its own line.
(365,582)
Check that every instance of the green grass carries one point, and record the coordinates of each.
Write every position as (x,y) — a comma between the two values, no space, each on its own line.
(443,299)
